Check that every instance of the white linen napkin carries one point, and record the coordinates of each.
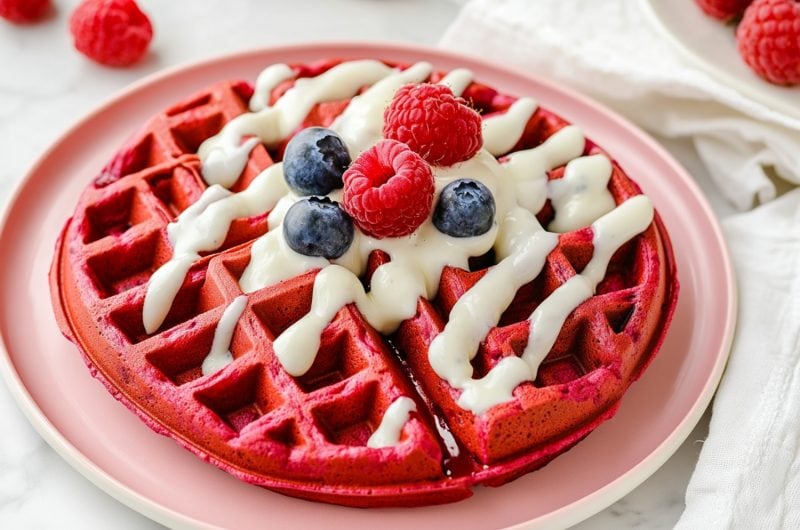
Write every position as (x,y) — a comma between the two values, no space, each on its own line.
(610,51)
(748,474)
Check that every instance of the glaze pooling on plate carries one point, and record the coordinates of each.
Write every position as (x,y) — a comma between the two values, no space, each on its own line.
(295,411)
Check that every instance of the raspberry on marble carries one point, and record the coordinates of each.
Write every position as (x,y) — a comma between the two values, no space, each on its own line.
(111,32)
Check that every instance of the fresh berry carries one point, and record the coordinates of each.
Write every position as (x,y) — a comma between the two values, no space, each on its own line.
(440,127)
(111,32)
(388,190)
(314,161)
(724,10)
(24,11)
(317,226)
(769,40)
(465,209)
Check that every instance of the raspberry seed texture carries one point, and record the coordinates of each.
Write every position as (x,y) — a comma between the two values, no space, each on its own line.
(769,40)
(111,32)
(434,123)
(388,190)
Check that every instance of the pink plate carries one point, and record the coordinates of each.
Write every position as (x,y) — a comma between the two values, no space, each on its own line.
(150,473)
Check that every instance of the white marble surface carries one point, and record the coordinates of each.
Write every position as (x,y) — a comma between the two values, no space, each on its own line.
(45,87)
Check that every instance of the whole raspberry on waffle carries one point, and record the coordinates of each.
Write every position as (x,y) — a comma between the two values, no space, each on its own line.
(388,190)
(724,10)
(24,11)
(363,371)
(769,40)
(434,123)
(111,32)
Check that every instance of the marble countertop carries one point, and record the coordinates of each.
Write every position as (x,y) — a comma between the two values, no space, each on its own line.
(45,87)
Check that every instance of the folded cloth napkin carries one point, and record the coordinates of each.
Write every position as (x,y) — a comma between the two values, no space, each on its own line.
(609,50)
(748,474)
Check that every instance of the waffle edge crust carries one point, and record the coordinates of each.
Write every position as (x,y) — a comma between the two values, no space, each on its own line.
(306,436)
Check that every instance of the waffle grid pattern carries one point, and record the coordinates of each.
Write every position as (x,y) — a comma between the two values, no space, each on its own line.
(307,436)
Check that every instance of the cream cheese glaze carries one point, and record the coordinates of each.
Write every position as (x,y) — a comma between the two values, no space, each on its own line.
(581,195)
(222,154)
(220,356)
(203,227)
(519,185)
(267,80)
(388,432)
(503,131)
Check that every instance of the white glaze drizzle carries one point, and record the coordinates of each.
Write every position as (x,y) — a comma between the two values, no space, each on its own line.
(610,232)
(361,123)
(220,356)
(394,419)
(221,154)
(512,122)
(166,281)
(266,82)
(277,261)
(520,242)
(203,227)
(528,169)
(581,195)
(225,170)
(414,271)
(522,248)
(200,230)
(457,80)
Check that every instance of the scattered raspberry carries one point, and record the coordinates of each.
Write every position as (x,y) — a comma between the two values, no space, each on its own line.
(769,40)
(24,11)
(111,32)
(724,10)
(388,190)
(434,123)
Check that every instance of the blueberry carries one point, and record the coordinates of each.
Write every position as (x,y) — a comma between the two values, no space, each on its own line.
(318,227)
(314,161)
(465,209)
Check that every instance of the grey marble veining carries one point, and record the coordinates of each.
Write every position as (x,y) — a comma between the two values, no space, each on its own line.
(45,87)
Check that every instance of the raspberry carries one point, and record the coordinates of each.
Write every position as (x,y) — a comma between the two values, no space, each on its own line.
(723,9)
(769,40)
(434,123)
(24,11)
(388,190)
(111,32)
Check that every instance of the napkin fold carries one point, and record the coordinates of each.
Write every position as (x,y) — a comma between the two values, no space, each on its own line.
(748,474)
(610,51)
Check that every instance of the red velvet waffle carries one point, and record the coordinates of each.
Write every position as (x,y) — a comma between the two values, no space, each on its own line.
(306,436)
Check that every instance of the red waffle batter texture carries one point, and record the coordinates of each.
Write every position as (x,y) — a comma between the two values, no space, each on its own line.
(306,436)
